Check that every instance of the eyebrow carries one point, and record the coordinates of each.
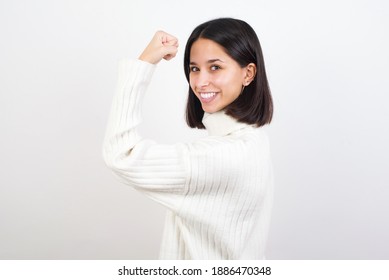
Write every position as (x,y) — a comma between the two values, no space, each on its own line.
(209,61)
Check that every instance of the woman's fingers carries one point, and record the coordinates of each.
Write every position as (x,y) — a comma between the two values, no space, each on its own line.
(163,45)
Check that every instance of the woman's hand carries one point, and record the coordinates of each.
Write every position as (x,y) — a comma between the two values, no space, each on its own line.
(163,45)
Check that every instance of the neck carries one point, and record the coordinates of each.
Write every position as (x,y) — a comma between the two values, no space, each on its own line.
(220,124)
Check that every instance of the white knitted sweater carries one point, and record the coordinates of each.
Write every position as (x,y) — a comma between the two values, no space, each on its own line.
(218,191)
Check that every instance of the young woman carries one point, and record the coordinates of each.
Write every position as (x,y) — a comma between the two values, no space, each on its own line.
(217,190)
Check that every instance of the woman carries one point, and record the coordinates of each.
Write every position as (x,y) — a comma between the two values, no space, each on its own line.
(217,190)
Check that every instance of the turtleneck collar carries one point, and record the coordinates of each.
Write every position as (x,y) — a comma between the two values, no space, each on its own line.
(221,124)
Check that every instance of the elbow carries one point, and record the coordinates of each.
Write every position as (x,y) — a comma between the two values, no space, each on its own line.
(116,159)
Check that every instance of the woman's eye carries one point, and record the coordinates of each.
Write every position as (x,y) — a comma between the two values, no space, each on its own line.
(194,69)
(215,67)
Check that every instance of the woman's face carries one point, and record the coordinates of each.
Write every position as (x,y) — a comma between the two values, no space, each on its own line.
(215,78)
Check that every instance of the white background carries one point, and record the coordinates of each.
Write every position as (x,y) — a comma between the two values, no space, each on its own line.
(327,63)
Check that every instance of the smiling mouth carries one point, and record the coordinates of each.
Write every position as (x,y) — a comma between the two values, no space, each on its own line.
(207,96)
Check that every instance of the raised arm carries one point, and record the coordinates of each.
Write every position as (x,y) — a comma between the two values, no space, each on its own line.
(160,171)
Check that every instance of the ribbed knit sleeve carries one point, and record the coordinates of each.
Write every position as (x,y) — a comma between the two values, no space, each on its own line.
(159,171)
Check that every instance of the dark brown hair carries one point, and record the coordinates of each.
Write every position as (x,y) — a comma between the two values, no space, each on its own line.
(239,40)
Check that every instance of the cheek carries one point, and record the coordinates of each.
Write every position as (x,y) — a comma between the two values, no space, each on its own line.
(222,80)
(231,82)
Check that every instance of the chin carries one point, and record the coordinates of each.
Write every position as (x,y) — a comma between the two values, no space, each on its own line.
(210,110)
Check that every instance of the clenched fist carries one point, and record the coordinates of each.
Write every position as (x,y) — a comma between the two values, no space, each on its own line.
(163,45)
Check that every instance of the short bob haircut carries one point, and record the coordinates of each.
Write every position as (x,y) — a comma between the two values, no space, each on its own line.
(239,40)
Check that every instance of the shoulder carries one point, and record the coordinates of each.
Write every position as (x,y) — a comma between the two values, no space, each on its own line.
(242,153)
(243,141)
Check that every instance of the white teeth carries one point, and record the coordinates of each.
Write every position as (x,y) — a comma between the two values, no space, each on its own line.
(207,95)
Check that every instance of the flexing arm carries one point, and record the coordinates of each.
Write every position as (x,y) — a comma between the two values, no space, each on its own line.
(160,171)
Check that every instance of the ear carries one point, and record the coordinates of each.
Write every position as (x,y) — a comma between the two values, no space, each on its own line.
(251,71)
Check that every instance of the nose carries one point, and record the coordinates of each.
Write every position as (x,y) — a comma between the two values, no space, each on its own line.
(203,79)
